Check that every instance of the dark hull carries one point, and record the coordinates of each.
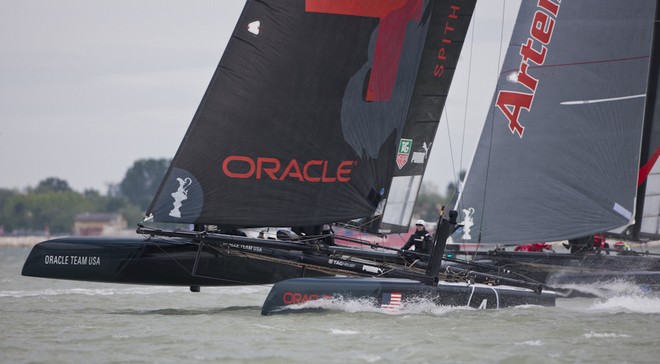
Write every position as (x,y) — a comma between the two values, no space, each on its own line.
(561,268)
(151,261)
(301,290)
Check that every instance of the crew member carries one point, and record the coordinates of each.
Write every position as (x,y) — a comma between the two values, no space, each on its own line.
(624,249)
(600,243)
(534,247)
(588,244)
(580,245)
(420,238)
(328,235)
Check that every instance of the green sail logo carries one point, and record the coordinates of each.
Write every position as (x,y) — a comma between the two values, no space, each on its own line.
(405,145)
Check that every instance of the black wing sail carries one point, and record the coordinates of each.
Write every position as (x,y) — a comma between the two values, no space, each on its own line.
(302,119)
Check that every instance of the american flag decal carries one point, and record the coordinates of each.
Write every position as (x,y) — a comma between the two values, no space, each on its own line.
(391,300)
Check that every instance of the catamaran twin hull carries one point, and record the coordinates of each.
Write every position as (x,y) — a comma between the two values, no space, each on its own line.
(151,261)
(181,261)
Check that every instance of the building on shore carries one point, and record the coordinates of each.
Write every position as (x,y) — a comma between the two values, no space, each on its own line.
(99,223)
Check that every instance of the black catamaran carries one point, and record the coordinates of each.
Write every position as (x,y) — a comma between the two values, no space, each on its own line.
(320,112)
(559,155)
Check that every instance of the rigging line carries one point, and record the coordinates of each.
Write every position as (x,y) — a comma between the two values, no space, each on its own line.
(454,193)
(584,102)
(467,100)
(192,274)
(257,260)
(217,250)
(455,175)
(580,63)
(492,129)
(451,148)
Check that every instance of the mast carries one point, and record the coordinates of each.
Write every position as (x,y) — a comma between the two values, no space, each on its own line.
(647,215)
(445,229)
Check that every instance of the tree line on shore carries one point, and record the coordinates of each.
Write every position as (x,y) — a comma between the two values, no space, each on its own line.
(51,206)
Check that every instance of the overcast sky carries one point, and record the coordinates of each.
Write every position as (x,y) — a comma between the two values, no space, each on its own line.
(89,87)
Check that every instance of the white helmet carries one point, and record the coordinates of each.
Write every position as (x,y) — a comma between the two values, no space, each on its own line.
(421,222)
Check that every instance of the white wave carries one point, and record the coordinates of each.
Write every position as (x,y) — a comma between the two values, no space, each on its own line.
(343,332)
(422,306)
(267,327)
(593,334)
(531,343)
(607,289)
(637,303)
(370,358)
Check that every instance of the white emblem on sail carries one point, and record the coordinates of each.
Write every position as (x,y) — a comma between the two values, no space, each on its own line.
(512,77)
(467,223)
(180,195)
(380,208)
(254,27)
(420,157)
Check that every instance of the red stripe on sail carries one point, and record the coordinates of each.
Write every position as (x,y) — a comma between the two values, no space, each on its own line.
(647,167)
(394,16)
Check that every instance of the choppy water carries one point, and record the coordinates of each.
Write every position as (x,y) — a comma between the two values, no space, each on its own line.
(46,320)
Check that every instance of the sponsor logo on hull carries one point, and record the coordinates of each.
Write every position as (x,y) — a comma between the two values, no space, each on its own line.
(71,260)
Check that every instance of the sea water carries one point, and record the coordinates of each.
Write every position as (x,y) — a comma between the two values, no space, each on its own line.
(44,320)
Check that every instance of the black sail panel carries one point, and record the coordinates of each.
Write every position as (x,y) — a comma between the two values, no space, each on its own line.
(301,120)
(444,41)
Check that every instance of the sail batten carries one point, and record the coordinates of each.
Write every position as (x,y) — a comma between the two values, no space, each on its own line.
(611,99)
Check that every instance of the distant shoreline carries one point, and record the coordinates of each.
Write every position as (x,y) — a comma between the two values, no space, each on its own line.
(21,241)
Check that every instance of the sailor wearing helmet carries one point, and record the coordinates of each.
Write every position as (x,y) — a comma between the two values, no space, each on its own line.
(420,238)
